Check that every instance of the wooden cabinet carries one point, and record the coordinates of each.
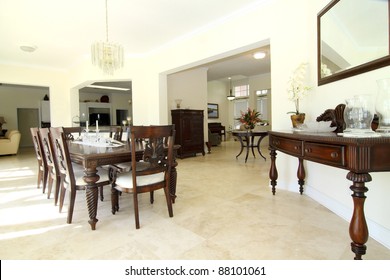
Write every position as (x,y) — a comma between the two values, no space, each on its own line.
(189,131)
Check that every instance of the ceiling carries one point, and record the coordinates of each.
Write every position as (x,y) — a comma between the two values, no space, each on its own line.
(64,30)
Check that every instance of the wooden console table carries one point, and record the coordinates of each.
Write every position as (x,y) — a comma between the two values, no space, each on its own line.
(357,155)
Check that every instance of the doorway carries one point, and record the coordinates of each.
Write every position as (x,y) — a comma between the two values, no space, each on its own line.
(27,118)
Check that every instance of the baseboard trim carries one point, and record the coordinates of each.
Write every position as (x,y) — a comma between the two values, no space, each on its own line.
(376,231)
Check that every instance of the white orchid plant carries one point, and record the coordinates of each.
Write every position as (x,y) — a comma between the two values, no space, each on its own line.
(296,88)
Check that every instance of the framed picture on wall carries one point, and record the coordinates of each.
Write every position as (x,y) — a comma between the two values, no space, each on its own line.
(212,111)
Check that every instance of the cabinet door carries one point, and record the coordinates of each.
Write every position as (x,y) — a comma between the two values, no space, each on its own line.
(189,131)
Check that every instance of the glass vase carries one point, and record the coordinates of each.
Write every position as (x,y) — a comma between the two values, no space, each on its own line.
(348,116)
(382,106)
(358,114)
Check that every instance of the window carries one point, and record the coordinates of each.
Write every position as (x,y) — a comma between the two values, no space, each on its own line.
(262,103)
(262,107)
(239,106)
(241,91)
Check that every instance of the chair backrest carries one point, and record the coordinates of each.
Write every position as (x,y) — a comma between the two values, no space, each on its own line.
(62,152)
(116,132)
(158,144)
(70,131)
(48,149)
(38,147)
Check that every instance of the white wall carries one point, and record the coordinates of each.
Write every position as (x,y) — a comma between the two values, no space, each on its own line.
(216,93)
(191,87)
(290,28)
(18,97)
(56,81)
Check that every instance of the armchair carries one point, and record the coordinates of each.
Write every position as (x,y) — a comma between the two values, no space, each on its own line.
(214,138)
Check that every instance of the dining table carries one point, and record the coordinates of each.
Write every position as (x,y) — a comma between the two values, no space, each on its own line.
(93,156)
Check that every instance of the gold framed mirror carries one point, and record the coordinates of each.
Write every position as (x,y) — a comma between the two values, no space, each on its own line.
(353,37)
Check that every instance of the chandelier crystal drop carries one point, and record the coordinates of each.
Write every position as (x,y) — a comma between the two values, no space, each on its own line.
(107,55)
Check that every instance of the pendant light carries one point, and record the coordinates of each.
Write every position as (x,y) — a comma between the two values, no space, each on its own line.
(230,97)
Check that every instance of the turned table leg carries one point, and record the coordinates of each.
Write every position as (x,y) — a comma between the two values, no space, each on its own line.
(91,192)
(173,181)
(301,174)
(273,172)
(358,230)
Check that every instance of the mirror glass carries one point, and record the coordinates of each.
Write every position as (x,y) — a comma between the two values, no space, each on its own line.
(353,37)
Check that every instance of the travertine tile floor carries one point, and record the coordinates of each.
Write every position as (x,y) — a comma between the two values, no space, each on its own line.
(224,210)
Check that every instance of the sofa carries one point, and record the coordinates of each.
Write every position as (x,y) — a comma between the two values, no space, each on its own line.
(9,144)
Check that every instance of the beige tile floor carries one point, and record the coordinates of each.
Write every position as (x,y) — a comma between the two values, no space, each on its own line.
(224,210)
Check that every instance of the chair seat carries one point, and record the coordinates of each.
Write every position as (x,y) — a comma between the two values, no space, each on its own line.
(125,180)
(123,167)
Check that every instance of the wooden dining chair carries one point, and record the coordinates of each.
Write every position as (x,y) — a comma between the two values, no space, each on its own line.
(123,166)
(116,133)
(71,132)
(41,159)
(53,173)
(71,178)
(152,172)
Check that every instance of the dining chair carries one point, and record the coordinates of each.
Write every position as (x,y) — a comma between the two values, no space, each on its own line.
(116,133)
(53,173)
(42,164)
(71,177)
(123,166)
(152,172)
(71,132)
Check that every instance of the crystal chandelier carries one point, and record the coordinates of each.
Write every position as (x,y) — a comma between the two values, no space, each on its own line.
(107,55)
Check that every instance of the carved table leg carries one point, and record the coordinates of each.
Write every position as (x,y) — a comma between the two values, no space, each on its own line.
(273,172)
(242,146)
(91,192)
(252,145)
(358,230)
(258,145)
(247,147)
(301,175)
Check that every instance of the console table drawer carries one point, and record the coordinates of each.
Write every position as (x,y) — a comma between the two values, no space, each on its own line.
(288,146)
(327,154)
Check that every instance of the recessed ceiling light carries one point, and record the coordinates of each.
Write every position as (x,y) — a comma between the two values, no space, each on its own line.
(27,48)
(259,55)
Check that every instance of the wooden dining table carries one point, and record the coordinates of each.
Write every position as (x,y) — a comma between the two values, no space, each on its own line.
(91,157)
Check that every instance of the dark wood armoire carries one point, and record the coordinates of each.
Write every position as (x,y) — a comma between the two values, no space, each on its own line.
(189,131)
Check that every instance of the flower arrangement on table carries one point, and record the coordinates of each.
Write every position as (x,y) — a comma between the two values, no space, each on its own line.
(250,118)
(296,88)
